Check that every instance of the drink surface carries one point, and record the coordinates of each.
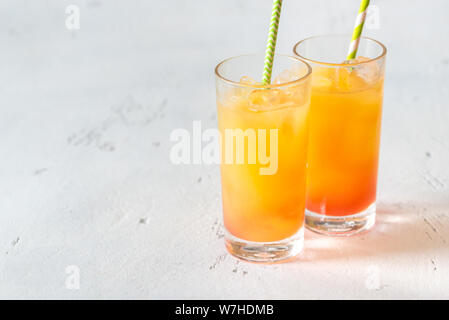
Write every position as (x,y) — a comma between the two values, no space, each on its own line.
(265,207)
(345,121)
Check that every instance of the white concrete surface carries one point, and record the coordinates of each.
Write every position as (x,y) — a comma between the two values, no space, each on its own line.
(85,176)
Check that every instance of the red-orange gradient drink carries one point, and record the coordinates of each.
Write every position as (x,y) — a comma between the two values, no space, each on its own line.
(262,207)
(264,133)
(345,123)
(344,142)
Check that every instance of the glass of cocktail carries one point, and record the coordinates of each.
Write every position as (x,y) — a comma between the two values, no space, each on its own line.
(264,135)
(345,122)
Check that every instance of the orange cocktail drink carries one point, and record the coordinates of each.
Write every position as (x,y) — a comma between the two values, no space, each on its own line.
(264,136)
(344,142)
(345,123)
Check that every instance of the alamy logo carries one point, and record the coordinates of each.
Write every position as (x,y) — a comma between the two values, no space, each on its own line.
(72,281)
(261,147)
(372,20)
(72,22)
(372,281)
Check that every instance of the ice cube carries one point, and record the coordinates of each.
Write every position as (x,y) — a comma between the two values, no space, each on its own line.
(234,96)
(284,77)
(369,72)
(247,80)
(323,77)
(299,70)
(296,94)
(263,100)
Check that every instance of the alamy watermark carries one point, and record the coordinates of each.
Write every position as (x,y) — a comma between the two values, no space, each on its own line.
(372,281)
(72,281)
(238,146)
(72,21)
(372,20)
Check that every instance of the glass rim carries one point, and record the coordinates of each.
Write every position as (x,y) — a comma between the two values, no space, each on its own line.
(262,86)
(380,56)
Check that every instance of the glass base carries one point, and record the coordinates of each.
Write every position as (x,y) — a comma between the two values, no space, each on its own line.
(267,252)
(341,226)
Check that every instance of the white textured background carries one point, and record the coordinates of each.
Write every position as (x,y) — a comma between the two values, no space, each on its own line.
(85,177)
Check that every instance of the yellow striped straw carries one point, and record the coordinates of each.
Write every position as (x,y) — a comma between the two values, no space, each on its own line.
(358,28)
(271,41)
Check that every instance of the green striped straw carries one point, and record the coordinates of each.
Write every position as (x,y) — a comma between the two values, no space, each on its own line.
(360,21)
(271,41)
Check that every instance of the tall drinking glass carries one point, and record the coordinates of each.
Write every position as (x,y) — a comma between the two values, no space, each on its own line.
(345,121)
(264,135)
